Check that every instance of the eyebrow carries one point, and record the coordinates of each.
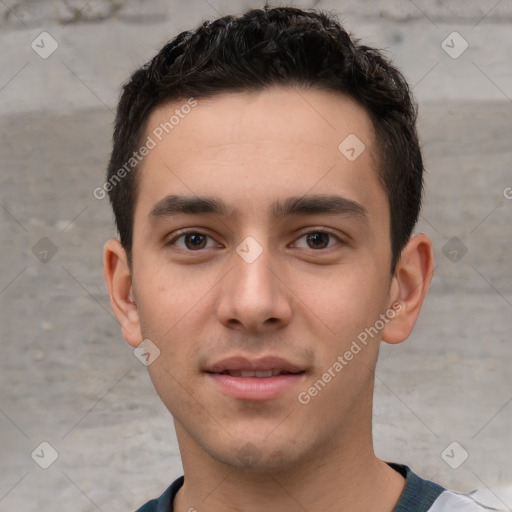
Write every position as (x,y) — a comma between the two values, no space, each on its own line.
(299,205)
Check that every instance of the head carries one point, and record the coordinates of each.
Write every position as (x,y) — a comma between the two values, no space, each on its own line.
(294,153)
(283,46)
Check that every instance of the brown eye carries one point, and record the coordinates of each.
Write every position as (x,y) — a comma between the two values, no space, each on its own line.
(195,241)
(191,241)
(318,240)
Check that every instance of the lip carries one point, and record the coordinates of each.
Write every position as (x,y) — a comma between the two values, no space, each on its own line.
(245,364)
(254,388)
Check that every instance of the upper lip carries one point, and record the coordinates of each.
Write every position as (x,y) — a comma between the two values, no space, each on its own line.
(241,363)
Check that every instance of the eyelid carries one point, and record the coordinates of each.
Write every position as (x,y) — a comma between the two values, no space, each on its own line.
(305,231)
(314,229)
(187,231)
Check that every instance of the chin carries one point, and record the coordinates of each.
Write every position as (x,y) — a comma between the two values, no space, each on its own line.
(249,458)
(255,454)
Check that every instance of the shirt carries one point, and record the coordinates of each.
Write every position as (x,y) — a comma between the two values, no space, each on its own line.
(418,495)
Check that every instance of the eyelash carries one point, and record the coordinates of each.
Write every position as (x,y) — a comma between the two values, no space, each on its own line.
(195,232)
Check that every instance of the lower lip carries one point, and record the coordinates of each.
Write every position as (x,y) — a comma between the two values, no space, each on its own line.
(254,388)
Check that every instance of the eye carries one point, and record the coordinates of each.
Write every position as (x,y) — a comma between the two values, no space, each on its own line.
(195,240)
(317,239)
(192,241)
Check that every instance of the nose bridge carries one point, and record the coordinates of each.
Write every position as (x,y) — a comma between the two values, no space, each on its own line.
(253,277)
(252,294)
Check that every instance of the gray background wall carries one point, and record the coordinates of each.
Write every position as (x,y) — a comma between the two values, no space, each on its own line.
(67,376)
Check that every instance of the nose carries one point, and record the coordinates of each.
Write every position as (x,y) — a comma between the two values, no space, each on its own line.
(254,296)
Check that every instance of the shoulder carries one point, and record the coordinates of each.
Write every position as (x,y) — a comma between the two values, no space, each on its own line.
(451,501)
(164,502)
(150,506)
(421,495)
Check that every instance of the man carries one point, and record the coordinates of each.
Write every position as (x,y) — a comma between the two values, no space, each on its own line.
(265,178)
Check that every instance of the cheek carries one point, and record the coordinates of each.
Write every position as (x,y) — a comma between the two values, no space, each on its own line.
(172,313)
(166,295)
(167,316)
(345,300)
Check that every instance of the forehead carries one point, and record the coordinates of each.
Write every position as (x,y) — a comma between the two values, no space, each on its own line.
(253,148)
(311,115)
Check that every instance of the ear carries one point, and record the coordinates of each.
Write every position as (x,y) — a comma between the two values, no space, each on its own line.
(119,283)
(409,286)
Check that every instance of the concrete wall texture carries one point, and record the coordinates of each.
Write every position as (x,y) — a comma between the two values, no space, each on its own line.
(443,399)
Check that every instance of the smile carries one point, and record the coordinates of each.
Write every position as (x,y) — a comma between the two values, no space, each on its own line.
(261,374)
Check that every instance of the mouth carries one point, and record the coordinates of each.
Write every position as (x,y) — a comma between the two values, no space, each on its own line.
(255,379)
(259,374)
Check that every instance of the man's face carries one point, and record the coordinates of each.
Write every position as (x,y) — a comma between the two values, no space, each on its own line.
(258,291)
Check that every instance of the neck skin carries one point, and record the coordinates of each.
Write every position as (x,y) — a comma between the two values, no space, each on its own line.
(343,475)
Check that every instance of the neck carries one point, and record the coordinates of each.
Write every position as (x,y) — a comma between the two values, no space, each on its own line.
(345,476)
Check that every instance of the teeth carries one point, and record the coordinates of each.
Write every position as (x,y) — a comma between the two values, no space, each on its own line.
(261,374)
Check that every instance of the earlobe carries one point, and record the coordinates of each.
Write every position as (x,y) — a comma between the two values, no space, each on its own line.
(119,283)
(409,288)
